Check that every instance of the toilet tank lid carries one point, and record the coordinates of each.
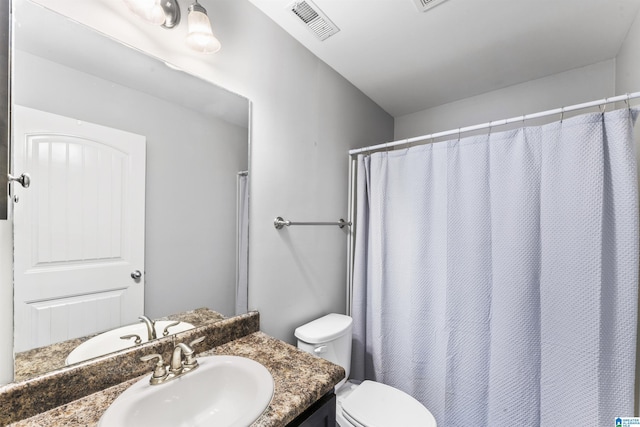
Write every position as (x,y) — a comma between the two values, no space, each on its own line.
(324,329)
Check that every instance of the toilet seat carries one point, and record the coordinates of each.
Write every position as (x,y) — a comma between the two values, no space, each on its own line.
(373,404)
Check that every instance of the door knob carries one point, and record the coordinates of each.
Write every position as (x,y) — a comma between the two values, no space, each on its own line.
(24,179)
(136,275)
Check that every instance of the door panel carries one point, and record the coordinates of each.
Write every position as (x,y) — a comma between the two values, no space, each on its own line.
(78,229)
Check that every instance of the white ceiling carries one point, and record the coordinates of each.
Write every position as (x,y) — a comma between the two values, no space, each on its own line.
(408,61)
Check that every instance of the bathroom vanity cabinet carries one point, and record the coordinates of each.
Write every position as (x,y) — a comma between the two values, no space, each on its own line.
(320,414)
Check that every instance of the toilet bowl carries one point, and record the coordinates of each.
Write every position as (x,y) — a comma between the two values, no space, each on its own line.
(366,404)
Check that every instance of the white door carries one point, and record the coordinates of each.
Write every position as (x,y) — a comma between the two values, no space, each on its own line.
(78,228)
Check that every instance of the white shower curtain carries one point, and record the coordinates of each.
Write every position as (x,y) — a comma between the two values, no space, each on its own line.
(496,277)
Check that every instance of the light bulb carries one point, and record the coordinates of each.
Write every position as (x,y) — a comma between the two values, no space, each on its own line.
(200,36)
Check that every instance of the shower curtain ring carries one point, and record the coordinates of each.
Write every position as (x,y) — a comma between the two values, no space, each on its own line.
(561,114)
(603,108)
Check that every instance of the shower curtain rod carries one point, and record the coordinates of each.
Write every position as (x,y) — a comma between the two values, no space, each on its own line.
(488,125)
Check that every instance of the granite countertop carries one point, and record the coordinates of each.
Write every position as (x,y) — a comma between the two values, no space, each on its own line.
(38,361)
(300,380)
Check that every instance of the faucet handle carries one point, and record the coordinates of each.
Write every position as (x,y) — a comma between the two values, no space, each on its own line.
(160,371)
(136,336)
(166,328)
(196,341)
(190,358)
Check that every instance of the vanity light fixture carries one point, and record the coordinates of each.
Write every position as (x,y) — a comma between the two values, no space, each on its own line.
(167,14)
(200,37)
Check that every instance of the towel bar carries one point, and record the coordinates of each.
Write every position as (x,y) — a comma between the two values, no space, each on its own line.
(279,222)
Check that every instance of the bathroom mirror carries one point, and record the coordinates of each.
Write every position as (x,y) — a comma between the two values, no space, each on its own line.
(196,142)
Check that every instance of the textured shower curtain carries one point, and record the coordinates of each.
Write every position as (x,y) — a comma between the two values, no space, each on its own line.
(496,277)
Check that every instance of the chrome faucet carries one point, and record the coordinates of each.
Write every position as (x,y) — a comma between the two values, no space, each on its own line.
(177,367)
(151,327)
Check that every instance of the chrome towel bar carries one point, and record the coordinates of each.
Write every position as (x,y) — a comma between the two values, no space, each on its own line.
(279,222)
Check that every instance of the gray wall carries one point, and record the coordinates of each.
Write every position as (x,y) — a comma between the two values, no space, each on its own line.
(628,61)
(192,162)
(305,119)
(572,87)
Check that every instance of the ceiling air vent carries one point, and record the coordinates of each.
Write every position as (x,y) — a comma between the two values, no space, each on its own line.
(424,5)
(314,19)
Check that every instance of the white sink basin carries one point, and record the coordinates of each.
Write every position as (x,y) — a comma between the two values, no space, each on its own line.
(224,391)
(110,341)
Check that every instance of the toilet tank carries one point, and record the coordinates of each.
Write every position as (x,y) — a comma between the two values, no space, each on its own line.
(328,337)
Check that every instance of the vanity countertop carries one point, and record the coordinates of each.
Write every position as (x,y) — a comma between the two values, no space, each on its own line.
(300,380)
(39,361)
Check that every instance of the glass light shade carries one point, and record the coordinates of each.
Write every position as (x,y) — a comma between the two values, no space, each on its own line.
(200,36)
(155,14)
(149,10)
(137,5)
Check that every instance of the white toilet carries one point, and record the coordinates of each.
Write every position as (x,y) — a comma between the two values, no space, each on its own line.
(369,404)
